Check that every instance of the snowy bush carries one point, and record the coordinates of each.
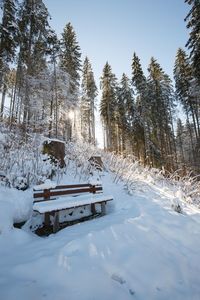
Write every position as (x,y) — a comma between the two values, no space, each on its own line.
(22,163)
(77,156)
(133,174)
(20,183)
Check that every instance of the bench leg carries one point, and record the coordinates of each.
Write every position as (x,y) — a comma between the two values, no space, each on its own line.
(103,208)
(93,209)
(47,219)
(56,222)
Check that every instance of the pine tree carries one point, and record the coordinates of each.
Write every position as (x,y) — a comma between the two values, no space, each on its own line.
(189,146)
(182,76)
(138,77)
(180,142)
(108,106)
(193,44)
(70,60)
(89,93)
(34,30)
(161,106)
(34,35)
(53,49)
(186,89)
(8,43)
(125,113)
(70,63)
(8,33)
(140,83)
(169,100)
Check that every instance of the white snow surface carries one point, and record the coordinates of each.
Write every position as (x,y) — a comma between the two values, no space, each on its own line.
(141,249)
(48,184)
(69,202)
(15,206)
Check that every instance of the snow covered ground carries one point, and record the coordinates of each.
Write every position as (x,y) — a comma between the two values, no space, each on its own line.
(142,249)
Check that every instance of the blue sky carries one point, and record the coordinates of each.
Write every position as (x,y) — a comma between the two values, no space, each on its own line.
(111,30)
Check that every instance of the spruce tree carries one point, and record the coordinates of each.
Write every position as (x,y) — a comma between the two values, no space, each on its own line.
(183,77)
(34,34)
(53,50)
(140,83)
(8,35)
(34,31)
(138,77)
(108,106)
(186,88)
(161,106)
(126,100)
(8,43)
(70,60)
(70,64)
(180,142)
(89,93)
(189,145)
(125,113)
(193,44)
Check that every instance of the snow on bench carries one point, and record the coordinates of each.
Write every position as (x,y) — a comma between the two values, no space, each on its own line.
(48,184)
(68,203)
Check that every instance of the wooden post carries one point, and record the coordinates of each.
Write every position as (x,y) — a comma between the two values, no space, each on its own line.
(103,208)
(56,222)
(47,219)
(47,214)
(93,209)
(93,189)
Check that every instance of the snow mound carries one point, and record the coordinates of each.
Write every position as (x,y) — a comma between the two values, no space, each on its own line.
(6,216)
(18,202)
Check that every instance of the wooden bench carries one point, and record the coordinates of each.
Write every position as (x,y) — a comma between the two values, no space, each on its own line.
(51,201)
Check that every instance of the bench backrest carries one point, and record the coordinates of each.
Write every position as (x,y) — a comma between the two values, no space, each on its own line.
(61,190)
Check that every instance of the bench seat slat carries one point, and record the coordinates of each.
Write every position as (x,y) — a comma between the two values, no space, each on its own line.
(69,202)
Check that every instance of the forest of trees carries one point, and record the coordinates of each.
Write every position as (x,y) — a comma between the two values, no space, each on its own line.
(51,90)
(40,74)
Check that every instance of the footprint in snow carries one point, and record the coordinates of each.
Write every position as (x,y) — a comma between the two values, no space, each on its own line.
(122,281)
(118,278)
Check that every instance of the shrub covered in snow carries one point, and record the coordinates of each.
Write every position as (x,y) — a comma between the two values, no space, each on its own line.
(23,163)
(132,173)
(78,156)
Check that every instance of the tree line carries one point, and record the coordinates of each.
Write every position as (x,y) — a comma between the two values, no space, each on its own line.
(40,74)
(50,90)
(140,116)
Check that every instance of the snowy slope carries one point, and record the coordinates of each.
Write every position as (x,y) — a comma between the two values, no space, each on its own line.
(141,249)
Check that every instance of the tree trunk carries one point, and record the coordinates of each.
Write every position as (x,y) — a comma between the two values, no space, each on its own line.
(51,118)
(191,138)
(3,99)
